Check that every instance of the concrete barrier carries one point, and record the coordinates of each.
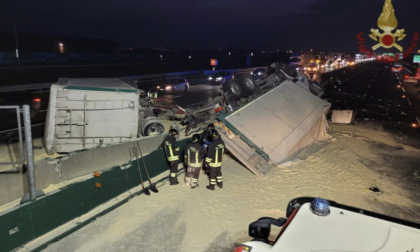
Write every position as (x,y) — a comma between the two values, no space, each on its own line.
(53,171)
(23,223)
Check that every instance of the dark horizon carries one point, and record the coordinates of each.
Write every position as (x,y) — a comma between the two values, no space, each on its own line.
(319,24)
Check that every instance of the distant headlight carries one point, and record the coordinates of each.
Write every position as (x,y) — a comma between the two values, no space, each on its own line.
(219,78)
(158,87)
(259,73)
(210,78)
(169,87)
(252,72)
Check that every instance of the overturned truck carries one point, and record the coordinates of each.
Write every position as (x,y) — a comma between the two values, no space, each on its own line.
(262,122)
(85,113)
(285,115)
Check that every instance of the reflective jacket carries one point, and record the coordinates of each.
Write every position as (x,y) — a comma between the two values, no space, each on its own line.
(171,149)
(215,153)
(194,154)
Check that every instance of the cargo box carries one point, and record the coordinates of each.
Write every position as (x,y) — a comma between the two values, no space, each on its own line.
(90,112)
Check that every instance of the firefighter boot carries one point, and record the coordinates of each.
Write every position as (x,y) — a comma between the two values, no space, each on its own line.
(220,185)
(194,186)
(173,181)
(210,187)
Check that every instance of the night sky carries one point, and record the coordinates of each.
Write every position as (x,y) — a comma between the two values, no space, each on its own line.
(210,24)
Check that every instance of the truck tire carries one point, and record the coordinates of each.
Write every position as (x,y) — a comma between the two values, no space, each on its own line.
(151,126)
(142,122)
(248,84)
(234,87)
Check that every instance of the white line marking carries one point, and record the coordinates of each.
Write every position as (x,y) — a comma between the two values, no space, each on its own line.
(409,102)
(408,70)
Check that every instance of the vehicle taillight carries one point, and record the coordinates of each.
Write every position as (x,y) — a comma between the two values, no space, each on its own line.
(242,248)
(36,100)
(218,109)
(406,76)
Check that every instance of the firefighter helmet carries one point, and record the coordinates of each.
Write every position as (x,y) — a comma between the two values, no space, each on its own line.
(173,132)
(195,138)
(215,134)
(210,127)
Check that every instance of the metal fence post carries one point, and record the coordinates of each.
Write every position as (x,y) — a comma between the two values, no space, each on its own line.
(29,151)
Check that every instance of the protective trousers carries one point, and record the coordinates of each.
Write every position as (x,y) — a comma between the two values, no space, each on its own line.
(216,176)
(173,171)
(192,176)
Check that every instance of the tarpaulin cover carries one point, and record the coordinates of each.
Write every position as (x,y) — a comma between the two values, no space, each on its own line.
(283,121)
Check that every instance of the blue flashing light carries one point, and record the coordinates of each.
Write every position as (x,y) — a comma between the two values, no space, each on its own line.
(320,207)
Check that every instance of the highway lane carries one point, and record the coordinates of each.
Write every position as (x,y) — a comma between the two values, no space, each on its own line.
(195,94)
(376,94)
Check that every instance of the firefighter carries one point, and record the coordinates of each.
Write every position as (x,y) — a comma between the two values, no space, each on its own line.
(172,154)
(193,157)
(214,160)
(206,137)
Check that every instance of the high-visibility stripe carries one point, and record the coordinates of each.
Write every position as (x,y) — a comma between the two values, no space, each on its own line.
(194,165)
(212,181)
(173,158)
(171,153)
(191,164)
(208,159)
(194,180)
(173,175)
(215,164)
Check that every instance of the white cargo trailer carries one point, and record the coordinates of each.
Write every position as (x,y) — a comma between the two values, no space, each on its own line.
(90,112)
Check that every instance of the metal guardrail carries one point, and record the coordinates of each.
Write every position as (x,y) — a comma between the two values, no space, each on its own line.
(149,77)
(155,77)
(24,87)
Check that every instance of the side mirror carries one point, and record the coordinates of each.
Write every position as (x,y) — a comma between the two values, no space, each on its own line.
(259,230)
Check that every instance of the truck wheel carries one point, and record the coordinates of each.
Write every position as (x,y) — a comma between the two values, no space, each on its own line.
(141,124)
(235,88)
(153,127)
(248,84)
